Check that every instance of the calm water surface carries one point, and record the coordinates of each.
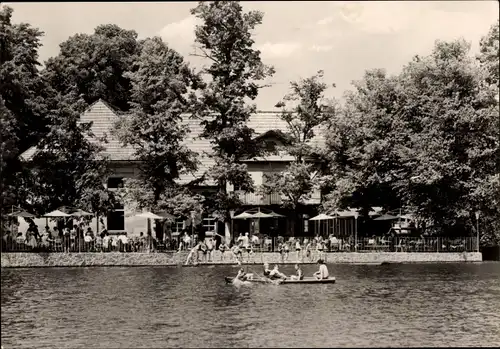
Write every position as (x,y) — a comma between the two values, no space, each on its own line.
(158,307)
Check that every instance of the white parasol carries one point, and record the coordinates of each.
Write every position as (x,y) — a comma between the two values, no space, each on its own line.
(56,213)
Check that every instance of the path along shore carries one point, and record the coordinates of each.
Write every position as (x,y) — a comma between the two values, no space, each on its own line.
(23,260)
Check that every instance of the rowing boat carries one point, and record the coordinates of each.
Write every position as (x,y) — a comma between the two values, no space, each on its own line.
(306,280)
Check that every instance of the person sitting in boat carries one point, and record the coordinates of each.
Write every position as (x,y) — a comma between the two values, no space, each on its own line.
(267,271)
(298,273)
(276,274)
(241,275)
(322,273)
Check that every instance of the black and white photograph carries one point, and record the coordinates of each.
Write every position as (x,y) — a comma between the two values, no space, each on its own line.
(250,174)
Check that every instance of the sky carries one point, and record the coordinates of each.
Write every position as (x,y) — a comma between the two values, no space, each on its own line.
(298,38)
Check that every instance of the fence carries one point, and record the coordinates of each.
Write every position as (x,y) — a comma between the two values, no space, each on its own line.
(307,246)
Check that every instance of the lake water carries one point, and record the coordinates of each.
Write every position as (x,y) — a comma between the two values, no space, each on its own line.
(159,307)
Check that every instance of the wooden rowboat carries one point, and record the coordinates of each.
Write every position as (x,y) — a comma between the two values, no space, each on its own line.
(305,280)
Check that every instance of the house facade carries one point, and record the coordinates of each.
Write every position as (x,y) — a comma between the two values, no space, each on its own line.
(124,165)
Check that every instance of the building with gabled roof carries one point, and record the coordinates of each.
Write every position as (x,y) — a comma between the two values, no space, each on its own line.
(124,165)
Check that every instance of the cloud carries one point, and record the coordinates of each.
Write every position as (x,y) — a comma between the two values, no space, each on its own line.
(180,34)
(278,49)
(375,17)
(321,48)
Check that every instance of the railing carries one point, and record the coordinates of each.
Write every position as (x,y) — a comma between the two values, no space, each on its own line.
(260,199)
(309,246)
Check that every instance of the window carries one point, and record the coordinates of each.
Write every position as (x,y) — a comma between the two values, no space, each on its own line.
(116,220)
(306,225)
(177,227)
(115,182)
(209,224)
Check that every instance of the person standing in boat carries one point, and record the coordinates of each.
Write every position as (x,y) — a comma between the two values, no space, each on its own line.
(322,273)
(298,273)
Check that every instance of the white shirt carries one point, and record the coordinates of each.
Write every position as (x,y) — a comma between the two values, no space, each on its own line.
(323,271)
(245,240)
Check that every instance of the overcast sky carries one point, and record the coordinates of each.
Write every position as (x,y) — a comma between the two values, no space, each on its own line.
(297,38)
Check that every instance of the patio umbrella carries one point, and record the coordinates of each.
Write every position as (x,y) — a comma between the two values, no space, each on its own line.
(56,213)
(244,215)
(321,217)
(23,214)
(386,217)
(81,213)
(166,215)
(277,215)
(149,215)
(261,215)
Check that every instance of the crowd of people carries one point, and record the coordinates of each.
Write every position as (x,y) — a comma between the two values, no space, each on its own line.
(81,238)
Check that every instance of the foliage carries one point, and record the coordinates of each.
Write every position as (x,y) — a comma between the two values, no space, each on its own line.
(361,144)
(160,93)
(66,168)
(22,105)
(425,139)
(93,66)
(137,195)
(299,179)
(490,53)
(225,39)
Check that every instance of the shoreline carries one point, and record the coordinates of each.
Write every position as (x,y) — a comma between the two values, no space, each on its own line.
(117,259)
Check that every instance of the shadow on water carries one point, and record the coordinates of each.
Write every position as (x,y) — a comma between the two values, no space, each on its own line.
(147,307)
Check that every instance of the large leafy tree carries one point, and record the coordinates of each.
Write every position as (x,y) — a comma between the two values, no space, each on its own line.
(66,168)
(22,101)
(362,141)
(489,54)
(225,39)
(93,66)
(489,58)
(310,110)
(426,138)
(162,90)
(449,119)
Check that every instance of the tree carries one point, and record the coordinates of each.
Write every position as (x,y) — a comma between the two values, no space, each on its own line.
(22,101)
(425,138)
(162,87)
(297,182)
(449,119)
(159,96)
(66,168)
(93,66)
(225,39)
(489,53)
(361,145)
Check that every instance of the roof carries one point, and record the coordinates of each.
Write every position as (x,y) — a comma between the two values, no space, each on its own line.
(103,118)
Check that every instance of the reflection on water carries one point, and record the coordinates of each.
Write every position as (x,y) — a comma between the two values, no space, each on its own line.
(390,305)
